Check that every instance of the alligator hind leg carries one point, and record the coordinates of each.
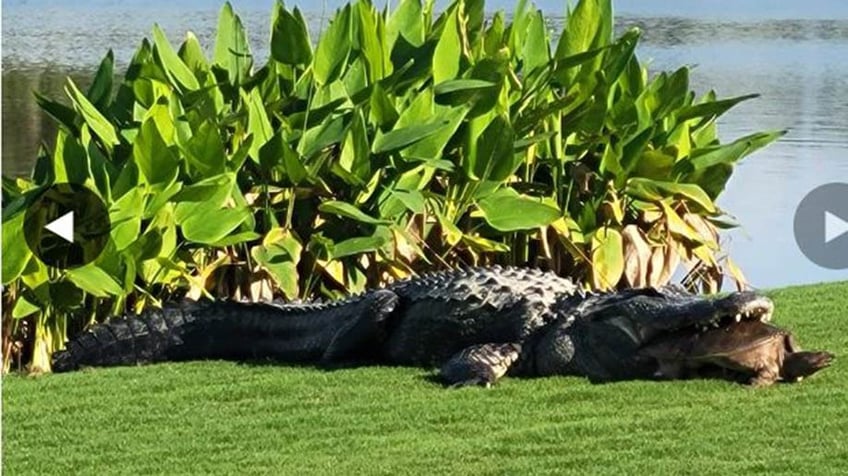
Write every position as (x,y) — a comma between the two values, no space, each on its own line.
(364,331)
(480,364)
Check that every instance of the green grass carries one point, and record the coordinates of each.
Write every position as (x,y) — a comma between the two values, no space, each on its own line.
(226,418)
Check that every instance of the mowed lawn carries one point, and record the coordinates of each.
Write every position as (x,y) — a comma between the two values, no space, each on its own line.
(227,418)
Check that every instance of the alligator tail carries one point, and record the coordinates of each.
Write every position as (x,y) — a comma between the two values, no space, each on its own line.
(153,336)
(303,332)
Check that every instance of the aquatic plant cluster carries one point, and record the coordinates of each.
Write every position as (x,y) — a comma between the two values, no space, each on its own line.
(402,140)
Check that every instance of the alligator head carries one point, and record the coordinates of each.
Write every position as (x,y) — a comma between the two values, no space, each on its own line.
(600,335)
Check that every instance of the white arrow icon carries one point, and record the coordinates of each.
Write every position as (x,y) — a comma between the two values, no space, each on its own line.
(63,226)
(834,227)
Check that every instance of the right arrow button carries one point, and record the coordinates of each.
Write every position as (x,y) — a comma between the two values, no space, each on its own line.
(821,225)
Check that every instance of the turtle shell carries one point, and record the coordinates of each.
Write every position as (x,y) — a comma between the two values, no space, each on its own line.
(735,339)
(720,342)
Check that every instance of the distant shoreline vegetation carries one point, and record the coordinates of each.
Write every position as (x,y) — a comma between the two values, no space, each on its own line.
(401,141)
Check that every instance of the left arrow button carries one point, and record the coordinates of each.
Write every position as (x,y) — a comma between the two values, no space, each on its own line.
(63,226)
(67,225)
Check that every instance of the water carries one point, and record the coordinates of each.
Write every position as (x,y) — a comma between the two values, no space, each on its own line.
(795,54)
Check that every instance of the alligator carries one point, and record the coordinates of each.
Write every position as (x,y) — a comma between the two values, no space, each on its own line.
(478,324)
(751,352)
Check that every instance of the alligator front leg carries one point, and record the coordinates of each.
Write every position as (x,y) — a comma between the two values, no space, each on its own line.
(481,364)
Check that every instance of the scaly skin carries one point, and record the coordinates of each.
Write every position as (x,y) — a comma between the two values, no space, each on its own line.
(223,330)
(480,322)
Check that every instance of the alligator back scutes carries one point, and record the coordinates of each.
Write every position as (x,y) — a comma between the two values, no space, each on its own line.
(494,286)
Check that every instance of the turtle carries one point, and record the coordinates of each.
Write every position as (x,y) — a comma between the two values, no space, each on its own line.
(749,351)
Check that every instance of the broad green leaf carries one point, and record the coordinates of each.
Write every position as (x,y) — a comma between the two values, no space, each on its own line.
(125,216)
(204,151)
(530,118)
(213,226)
(164,225)
(448,53)
(160,199)
(406,21)
(672,93)
(330,132)
(191,53)
(484,245)
(620,55)
(397,139)
(654,164)
(450,232)
(383,113)
(419,110)
(493,39)
(237,159)
(293,165)
(412,199)
(95,281)
(203,197)
(535,52)
(148,246)
(347,210)
(704,158)
(177,71)
(355,156)
(432,147)
(277,158)
(607,258)
(679,142)
(633,149)
(711,108)
(258,124)
(372,41)
(95,120)
(162,114)
(289,39)
(416,178)
(652,190)
(16,253)
(279,255)
(24,308)
(63,115)
(588,27)
(100,168)
(236,238)
(358,245)
(455,85)
(155,159)
(713,179)
(494,158)
(70,161)
(507,210)
(100,91)
(232,50)
(333,48)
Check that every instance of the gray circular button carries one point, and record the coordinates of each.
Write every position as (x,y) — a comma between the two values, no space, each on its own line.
(67,226)
(821,225)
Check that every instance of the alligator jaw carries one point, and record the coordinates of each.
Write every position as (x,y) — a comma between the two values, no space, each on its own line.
(735,308)
(688,314)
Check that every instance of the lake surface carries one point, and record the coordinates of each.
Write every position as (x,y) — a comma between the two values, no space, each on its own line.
(795,54)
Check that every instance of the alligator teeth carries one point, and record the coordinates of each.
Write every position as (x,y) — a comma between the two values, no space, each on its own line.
(738,317)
